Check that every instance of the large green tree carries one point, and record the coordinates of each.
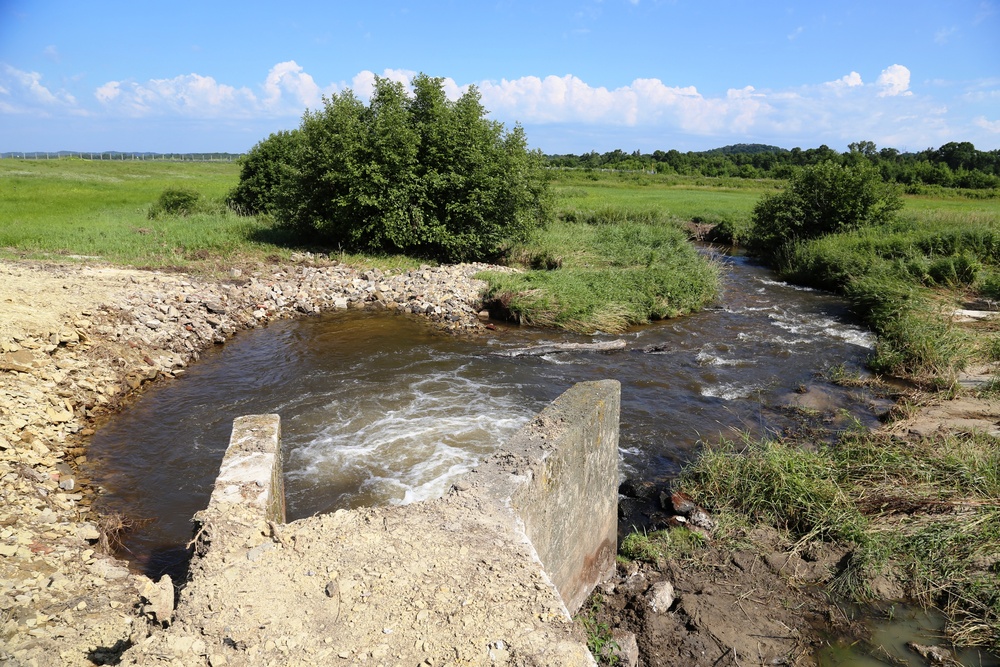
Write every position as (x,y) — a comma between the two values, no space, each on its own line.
(417,174)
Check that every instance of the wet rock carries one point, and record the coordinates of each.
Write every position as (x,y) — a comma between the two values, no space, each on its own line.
(934,655)
(637,488)
(678,502)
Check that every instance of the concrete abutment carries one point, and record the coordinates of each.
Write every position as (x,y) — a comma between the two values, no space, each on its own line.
(489,574)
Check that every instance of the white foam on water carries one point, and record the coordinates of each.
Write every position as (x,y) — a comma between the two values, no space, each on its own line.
(729,391)
(409,441)
(816,327)
(778,283)
(705,358)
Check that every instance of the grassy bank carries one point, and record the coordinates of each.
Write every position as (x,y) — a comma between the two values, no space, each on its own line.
(618,254)
(905,280)
(609,271)
(917,515)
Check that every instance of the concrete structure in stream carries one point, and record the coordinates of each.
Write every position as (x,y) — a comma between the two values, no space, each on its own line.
(487,575)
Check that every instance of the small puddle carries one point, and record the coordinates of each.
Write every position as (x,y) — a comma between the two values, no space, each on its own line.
(890,634)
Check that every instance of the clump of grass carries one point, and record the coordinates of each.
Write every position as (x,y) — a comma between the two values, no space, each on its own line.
(612,271)
(676,543)
(777,484)
(174,201)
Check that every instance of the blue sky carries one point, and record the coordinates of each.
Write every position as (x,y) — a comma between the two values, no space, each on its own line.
(579,75)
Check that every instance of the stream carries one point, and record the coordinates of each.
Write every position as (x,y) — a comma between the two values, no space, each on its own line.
(379,408)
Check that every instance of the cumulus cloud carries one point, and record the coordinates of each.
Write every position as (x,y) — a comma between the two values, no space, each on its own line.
(28,94)
(847,81)
(287,84)
(838,111)
(568,99)
(894,80)
(185,95)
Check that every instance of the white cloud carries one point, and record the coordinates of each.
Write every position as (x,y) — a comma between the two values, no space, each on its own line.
(287,84)
(988,125)
(833,112)
(894,80)
(847,81)
(28,94)
(108,92)
(795,33)
(568,99)
(185,95)
(52,53)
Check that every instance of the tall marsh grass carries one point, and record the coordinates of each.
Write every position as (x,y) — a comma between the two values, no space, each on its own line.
(898,278)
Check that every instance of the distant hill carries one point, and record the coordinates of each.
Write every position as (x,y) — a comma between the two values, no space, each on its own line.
(750,149)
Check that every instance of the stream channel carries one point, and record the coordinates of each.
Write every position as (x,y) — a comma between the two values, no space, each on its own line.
(380,408)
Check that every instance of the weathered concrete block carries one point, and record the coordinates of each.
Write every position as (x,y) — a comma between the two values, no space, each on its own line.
(250,484)
(559,474)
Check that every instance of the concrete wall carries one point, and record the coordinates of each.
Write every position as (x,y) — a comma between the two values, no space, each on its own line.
(559,474)
(250,486)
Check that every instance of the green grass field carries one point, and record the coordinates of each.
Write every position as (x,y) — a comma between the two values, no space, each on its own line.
(683,198)
(53,208)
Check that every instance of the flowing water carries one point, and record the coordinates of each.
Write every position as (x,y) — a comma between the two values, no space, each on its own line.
(378,408)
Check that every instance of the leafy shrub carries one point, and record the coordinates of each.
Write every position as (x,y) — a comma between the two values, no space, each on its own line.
(261,171)
(416,174)
(822,199)
(174,201)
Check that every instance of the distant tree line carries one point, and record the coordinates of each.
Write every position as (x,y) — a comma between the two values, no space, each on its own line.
(120,155)
(955,164)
